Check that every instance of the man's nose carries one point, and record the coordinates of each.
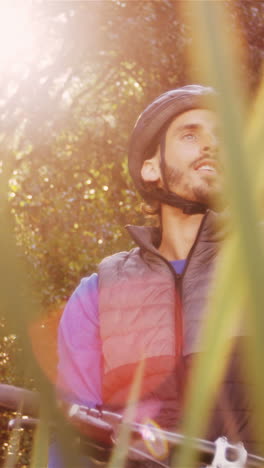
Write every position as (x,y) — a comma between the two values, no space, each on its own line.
(211,145)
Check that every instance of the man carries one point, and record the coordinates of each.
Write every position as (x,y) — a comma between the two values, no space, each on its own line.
(149,303)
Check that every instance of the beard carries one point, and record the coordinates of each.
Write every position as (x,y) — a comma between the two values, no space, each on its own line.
(208,192)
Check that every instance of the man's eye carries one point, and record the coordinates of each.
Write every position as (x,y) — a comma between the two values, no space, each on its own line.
(189,136)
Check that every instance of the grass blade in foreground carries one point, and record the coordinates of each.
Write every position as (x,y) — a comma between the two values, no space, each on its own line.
(216,57)
(121,450)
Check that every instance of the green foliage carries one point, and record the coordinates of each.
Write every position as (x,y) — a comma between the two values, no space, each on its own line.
(68,187)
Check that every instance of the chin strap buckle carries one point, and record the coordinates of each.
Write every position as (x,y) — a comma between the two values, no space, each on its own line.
(229,455)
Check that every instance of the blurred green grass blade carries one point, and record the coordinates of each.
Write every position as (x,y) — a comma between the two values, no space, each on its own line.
(19,306)
(14,444)
(224,315)
(215,57)
(120,451)
(241,172)
(254,144)
(218,45)
(41,442)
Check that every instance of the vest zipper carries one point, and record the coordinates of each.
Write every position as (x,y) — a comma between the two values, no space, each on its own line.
(178,304)
(181,277)
(178,318)
(178,279)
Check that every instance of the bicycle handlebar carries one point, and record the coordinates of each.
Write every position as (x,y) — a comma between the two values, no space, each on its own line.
(101,426)
(89,415)
(16,398)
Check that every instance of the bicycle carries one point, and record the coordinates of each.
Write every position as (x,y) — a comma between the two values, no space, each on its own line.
(100,428)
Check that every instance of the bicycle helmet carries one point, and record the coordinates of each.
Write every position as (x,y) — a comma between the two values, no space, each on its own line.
(150,131)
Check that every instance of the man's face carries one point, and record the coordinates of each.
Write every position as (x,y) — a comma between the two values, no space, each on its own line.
(192,169)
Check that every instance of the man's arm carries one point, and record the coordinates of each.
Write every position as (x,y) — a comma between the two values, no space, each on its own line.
(79,346)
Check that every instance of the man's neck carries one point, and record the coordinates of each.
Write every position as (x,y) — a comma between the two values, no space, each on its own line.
(179,232)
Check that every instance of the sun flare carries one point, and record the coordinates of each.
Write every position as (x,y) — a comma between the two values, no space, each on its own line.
(16,32)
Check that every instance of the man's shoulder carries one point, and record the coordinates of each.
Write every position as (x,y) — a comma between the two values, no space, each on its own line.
(118,257)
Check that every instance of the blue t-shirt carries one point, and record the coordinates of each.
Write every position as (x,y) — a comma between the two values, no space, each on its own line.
(178,265)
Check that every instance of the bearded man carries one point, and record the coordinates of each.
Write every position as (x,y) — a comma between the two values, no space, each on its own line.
(150,303)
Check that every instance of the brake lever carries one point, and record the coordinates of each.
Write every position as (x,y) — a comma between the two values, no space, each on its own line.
(222,457)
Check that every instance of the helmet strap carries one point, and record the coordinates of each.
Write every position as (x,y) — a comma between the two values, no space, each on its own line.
(172,199)
(162,161)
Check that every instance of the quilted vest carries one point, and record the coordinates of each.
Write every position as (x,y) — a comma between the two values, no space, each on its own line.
(139,320)
(140,306)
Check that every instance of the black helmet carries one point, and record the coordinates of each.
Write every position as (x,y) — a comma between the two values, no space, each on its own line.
(150,131)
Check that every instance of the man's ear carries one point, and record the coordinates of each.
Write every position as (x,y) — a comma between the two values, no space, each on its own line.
(150,171)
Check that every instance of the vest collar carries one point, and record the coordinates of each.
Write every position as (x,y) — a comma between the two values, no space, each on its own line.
(145,237)
(215,228)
